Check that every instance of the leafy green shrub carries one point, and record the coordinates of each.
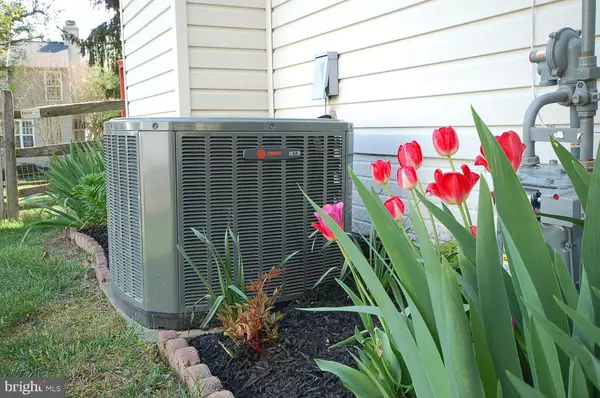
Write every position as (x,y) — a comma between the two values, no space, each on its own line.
(77,185)
(91,192)
(484,332)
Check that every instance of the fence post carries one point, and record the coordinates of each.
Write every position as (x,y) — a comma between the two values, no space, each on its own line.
(8,119)
(2,214)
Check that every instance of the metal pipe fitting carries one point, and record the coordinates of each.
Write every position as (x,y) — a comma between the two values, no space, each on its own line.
(561,95)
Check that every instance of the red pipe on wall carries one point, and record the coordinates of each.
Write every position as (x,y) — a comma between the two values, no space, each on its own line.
(122,84)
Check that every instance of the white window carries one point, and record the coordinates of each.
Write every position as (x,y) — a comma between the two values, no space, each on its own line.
(80,125)
(53,86)
(25,133)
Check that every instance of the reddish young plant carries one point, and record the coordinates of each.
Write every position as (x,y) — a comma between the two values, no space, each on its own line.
(256,323)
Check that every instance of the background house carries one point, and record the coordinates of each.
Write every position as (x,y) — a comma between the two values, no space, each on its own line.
(405,67)
(47,73)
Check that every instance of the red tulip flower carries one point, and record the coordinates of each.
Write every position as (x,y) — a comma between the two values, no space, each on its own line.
(473,229)
(453,188)
(381,171)
(410,154)
(445,141)
(513,147)
(396,207)
(335,211)
(407,177)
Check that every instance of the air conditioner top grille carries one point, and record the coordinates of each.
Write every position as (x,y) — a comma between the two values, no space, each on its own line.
(238,125)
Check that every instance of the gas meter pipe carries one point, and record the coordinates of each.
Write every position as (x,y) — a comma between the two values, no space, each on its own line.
(588,63)
(561,95)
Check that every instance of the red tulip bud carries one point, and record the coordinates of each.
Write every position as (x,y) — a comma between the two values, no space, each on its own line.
(445,141)
(410,155)
(407,177)
(335,211)
(381,171)
(473,229)
(396,207)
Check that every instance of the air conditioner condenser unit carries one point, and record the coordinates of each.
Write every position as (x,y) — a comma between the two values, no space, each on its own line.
(167,176)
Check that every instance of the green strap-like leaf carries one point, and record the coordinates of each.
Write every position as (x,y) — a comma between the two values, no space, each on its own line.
(566,281)
(573,348)
(384,389)
(523,389)
(573,167)
(401,255)
(493,299)
(577,381)
(482,353)
(585,309)
(359,309)
(548,360)
(357,382)
(389,356)
(432,360)
(465,240)
(401,336)
(429,348)
(462,363)
(469,273)
(590,250)
(515,211)
(237,291)
(587,328)
(213,310)
(544,380)
(366,319)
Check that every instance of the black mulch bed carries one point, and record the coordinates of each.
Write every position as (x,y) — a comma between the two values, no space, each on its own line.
(100,235)
(288,368)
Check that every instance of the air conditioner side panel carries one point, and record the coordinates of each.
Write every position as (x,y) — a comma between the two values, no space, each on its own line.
(159,223)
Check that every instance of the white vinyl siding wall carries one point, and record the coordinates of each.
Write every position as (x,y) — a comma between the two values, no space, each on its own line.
(227,57)
(150,60)
(407,67)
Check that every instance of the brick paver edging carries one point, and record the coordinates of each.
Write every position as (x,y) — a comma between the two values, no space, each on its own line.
(174,350)
(186,362)
(90,245)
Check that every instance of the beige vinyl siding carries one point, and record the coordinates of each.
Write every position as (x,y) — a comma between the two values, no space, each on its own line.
(150,59)
(227,57)
(408,67)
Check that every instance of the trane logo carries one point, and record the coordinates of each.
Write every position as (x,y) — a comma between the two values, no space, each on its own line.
(267,154)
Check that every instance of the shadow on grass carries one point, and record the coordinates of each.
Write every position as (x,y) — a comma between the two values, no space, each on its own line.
(55,321)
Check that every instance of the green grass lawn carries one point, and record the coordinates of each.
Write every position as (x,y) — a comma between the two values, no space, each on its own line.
(55,321)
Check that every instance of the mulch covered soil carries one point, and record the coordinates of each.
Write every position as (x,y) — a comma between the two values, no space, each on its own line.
(100,235)
(288,368)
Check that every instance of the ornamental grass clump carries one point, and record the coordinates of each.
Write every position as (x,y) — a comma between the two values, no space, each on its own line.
(478,330)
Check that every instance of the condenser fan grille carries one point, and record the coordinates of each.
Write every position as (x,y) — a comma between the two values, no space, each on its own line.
(123,202)
(261,201)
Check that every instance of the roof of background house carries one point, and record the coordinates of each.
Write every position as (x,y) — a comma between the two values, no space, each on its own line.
(40,55)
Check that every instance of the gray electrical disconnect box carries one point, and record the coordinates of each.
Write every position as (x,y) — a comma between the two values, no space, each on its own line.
(325,83)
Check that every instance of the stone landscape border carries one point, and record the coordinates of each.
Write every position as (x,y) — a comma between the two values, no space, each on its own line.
(175,350)
(186,362)
(89,244)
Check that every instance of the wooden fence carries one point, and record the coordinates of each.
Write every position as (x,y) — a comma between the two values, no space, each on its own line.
(10,208)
